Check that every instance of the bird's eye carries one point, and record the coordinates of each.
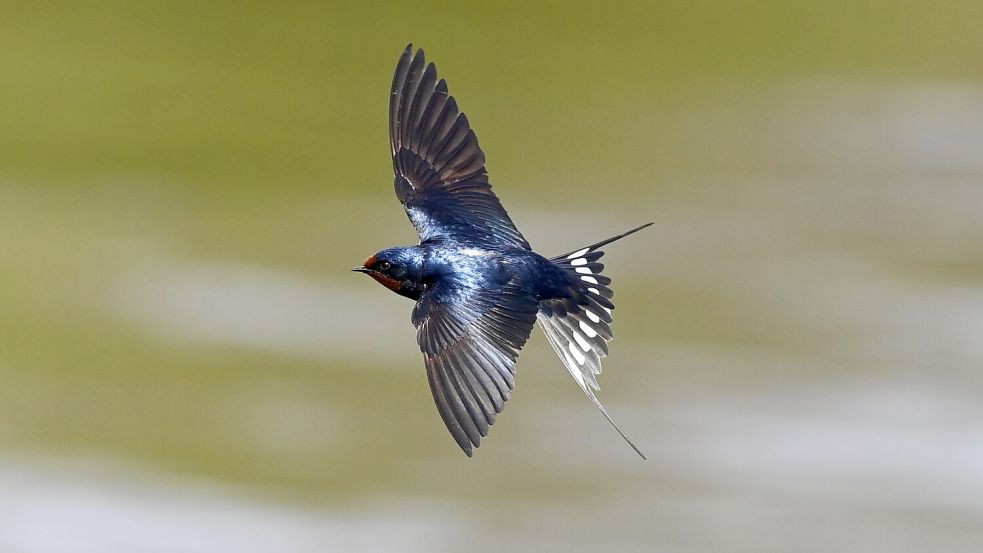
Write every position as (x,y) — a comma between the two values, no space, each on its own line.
(383,266)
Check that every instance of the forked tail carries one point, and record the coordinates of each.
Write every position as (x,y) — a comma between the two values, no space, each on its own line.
(578,327)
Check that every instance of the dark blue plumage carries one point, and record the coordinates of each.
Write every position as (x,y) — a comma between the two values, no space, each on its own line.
(478,285)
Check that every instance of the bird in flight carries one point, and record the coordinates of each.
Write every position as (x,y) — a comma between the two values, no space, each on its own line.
(478,286)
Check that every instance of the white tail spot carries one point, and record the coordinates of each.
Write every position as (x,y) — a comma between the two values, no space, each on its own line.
(590,332)
(584,345)
(572,367)
(594,318)
(578,253)
(578,261)
(576,354)
(589,279)
(595,290)
(584,271)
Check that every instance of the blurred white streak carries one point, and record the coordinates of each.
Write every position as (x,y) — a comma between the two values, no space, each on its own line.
(878,444)
(262,308)
(59,507)
(924,127)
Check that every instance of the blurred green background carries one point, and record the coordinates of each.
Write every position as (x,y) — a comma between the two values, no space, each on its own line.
(186,363)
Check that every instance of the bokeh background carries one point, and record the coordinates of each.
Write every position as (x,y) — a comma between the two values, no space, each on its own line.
(186,364)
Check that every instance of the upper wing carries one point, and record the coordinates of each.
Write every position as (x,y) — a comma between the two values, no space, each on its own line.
(470,344)
(440,169)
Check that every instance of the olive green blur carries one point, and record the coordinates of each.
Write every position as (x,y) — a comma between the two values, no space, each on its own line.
(184,187)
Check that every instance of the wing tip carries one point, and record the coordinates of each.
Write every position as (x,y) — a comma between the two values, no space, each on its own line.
(405,57)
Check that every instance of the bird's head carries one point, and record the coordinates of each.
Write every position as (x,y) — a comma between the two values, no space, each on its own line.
(397,269)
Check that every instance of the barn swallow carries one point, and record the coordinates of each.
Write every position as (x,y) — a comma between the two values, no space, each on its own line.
(478,286)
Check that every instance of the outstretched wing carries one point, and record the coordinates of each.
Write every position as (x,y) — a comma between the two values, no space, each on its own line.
(470,342)
(440,169)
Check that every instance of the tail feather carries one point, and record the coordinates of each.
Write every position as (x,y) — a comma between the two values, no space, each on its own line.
(592,249)
(578,327)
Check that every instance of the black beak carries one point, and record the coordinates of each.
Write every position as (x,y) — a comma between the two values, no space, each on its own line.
(361,269)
